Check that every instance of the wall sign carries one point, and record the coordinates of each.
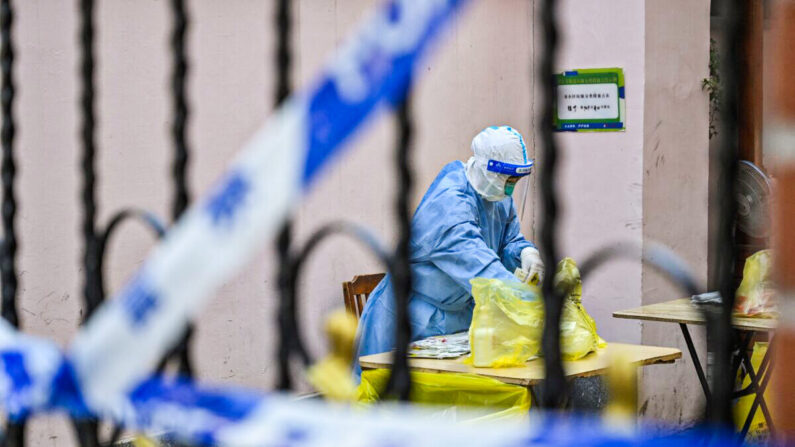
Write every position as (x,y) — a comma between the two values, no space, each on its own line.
(590,100)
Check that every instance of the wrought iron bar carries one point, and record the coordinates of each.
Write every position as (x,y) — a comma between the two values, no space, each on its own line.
(91,292)
(285,276)
(8,267)
(181,152)
(87,429)
(400,379)
(555,387)
(147,218)
(15,431)
(720,331)
(180,109)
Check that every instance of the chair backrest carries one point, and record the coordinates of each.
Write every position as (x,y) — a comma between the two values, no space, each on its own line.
(356,291)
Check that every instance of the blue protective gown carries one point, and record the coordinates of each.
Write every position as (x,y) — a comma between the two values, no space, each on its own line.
(456,236)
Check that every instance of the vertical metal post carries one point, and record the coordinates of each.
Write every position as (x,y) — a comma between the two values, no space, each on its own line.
(283,26)
(91,289)
(8,265)
(180,109)
(400,378)
(554,388)
(15,431)
(92,286)
(181,154)
(719,328)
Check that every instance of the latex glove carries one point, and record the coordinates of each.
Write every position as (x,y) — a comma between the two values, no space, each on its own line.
(532,264)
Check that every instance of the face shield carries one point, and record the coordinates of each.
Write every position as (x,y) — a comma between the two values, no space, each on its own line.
(514,173)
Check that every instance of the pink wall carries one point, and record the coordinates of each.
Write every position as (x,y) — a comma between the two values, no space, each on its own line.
(675,187)
(601,183)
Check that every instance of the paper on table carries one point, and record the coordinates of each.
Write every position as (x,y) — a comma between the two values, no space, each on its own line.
(441,346)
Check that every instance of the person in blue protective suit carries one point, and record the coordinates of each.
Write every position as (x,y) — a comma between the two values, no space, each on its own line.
(465,227)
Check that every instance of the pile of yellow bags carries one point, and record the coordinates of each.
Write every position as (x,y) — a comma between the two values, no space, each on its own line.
(508,320)
(756,296)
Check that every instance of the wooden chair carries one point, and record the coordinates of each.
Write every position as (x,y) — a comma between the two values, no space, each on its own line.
(356,291)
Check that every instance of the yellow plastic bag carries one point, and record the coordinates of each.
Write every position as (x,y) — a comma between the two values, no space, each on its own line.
(577,328)
(507,323)
(451,390)
(743,404)
(508,320)
(331,376)
(756,296)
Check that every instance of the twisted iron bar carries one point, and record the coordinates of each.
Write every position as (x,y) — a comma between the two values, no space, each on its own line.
(720,331)
(91,292)
(15,431)
(8,266)
(180,104)
(289,340)
(283,50)
(181,157)
(555,386)
(400,380)
(87,429)
(285,280)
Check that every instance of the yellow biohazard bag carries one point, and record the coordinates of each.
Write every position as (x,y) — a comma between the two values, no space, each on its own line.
(743,404)
(756,296)
(508,320)
(453,390)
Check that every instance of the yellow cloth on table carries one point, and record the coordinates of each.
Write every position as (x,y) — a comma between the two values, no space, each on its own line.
(453,390)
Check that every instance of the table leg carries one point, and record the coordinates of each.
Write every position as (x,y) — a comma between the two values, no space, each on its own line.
(533,397)
(764,373)
(696,363)
(745,338)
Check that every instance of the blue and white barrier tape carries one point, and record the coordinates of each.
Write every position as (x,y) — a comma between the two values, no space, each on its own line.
(35,376)
(244,418)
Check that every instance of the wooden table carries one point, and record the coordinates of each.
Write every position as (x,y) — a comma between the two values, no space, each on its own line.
(682,312)
(532,372)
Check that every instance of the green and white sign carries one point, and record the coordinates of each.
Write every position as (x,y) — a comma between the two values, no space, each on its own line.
(591,100)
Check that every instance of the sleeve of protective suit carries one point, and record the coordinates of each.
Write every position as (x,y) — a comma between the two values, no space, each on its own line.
(462,254)
(513,242)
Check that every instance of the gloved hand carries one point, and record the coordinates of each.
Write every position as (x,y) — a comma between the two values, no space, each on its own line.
(532,264)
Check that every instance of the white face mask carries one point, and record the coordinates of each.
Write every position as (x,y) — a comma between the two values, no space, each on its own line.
(489,185)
